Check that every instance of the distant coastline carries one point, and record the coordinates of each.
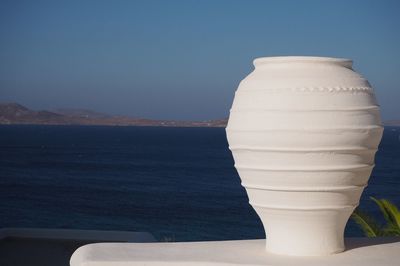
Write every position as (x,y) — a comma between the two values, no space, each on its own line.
(392,123)
(17,114)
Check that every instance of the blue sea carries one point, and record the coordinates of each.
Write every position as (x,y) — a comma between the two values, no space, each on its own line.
(177,183)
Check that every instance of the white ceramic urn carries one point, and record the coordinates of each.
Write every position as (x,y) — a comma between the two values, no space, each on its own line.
(303,132)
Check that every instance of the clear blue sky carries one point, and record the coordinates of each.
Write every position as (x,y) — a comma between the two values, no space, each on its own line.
(182,59)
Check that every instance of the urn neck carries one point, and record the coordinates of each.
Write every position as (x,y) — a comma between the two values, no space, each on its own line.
(302,59)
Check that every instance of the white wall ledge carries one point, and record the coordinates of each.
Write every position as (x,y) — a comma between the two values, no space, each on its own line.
(359,252)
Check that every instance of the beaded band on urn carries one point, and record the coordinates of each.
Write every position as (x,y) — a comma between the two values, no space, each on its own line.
(303,132)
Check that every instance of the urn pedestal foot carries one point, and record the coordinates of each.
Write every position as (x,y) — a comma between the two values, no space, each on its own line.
(304,232)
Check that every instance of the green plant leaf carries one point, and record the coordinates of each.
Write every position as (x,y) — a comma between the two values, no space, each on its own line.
(391,214)
(368,225)
(392,231)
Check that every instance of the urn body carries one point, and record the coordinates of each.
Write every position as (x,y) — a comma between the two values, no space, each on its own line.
(303,132)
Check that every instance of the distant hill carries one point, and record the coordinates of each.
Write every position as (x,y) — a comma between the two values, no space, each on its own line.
(14,113)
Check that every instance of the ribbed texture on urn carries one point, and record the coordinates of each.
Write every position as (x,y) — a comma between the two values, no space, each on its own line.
(304,132)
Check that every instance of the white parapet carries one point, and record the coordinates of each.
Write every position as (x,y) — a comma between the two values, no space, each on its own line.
(359,252)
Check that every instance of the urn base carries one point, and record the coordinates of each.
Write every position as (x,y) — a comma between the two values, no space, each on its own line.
(304,232)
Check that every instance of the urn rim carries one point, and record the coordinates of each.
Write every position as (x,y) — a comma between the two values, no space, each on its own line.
(302,59)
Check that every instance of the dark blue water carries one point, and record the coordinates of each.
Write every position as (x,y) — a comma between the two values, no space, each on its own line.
(177,183)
